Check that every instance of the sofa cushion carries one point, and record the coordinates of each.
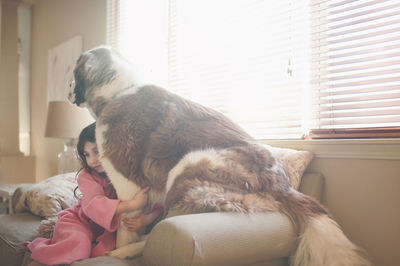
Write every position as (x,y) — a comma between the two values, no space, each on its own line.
(14,230)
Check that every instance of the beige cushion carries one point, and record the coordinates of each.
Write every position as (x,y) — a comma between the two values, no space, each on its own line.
(295,162)
(48,197)
(220,239)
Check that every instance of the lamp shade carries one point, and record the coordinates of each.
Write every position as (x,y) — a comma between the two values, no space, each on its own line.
(65,120)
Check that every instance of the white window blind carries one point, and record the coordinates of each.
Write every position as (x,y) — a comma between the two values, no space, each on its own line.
(113,22)
(246,58)
(355,67)
(139,30)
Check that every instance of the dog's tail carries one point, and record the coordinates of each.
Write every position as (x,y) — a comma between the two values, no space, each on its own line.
(321,241)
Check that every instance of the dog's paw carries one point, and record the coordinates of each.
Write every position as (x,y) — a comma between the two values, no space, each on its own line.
(119,253)
(129,251)
(115,253)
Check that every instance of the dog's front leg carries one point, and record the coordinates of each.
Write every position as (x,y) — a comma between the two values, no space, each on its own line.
(124,236)
(126,190)
(128,243)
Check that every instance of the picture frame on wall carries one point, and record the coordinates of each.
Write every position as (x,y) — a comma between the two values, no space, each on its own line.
(61,62)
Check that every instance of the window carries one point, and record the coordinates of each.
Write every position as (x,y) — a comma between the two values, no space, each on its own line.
(355,55)
(24,77)
(281,69)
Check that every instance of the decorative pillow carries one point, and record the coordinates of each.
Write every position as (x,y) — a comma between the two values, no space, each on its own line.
(48,197)
(295,162)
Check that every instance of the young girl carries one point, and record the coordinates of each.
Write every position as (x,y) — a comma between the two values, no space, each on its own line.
(88,230)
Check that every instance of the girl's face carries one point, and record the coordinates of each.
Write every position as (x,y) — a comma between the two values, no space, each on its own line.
(92,156)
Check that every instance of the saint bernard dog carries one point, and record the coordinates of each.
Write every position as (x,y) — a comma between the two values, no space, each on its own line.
(194,159)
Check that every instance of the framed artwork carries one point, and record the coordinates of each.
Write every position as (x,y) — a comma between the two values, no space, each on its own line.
(61,63)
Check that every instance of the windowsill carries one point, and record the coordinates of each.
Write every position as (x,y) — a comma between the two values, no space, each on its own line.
(381,149)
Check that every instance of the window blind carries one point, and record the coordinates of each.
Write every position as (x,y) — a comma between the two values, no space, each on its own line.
(113,17)
(355,68)
(139,30)
(246,58)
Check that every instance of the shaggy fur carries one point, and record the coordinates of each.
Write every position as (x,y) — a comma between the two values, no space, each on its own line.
(194,158)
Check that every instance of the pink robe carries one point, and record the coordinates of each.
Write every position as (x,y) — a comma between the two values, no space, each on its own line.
(87,230)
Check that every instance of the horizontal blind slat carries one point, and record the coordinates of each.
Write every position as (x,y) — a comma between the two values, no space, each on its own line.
(358,75)
(323,6)
(360,113)
(372,81)
(323,56)
(359,98)
(360,121)
(377,104)
(326,69)
(383,89)
(324,22)
(322,45)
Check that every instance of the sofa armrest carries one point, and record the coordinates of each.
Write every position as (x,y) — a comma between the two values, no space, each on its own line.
(226,238)
(220,239)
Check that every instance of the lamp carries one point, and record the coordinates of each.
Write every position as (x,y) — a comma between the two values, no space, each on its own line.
(66,121)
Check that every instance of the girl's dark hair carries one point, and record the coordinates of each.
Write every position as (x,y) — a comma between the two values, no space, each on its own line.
(87,134)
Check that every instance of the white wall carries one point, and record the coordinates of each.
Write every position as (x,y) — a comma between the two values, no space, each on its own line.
(54,22)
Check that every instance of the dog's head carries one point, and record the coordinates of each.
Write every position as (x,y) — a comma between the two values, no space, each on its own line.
(99,74)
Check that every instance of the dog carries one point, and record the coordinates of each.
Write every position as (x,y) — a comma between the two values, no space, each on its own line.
(194,159)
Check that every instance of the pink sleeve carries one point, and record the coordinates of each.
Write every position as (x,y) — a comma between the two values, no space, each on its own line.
(95,203)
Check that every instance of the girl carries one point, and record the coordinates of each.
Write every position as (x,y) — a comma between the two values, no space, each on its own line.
(88,230)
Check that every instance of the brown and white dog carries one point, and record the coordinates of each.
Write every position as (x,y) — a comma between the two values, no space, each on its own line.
(194,159)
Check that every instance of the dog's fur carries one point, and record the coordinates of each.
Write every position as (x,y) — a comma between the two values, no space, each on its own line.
(194,159)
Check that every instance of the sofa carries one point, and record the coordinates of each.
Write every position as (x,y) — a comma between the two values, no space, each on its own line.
(197,239)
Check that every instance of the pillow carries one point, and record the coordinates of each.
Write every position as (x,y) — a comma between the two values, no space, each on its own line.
(295,162)
(47,197)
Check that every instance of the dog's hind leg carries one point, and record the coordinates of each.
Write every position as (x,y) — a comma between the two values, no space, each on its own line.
(213,197)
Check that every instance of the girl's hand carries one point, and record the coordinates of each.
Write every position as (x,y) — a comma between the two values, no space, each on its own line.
(140,199)
(134,223)
(135,204)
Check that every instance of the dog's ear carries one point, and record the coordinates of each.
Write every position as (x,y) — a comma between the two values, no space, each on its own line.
(78,86)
